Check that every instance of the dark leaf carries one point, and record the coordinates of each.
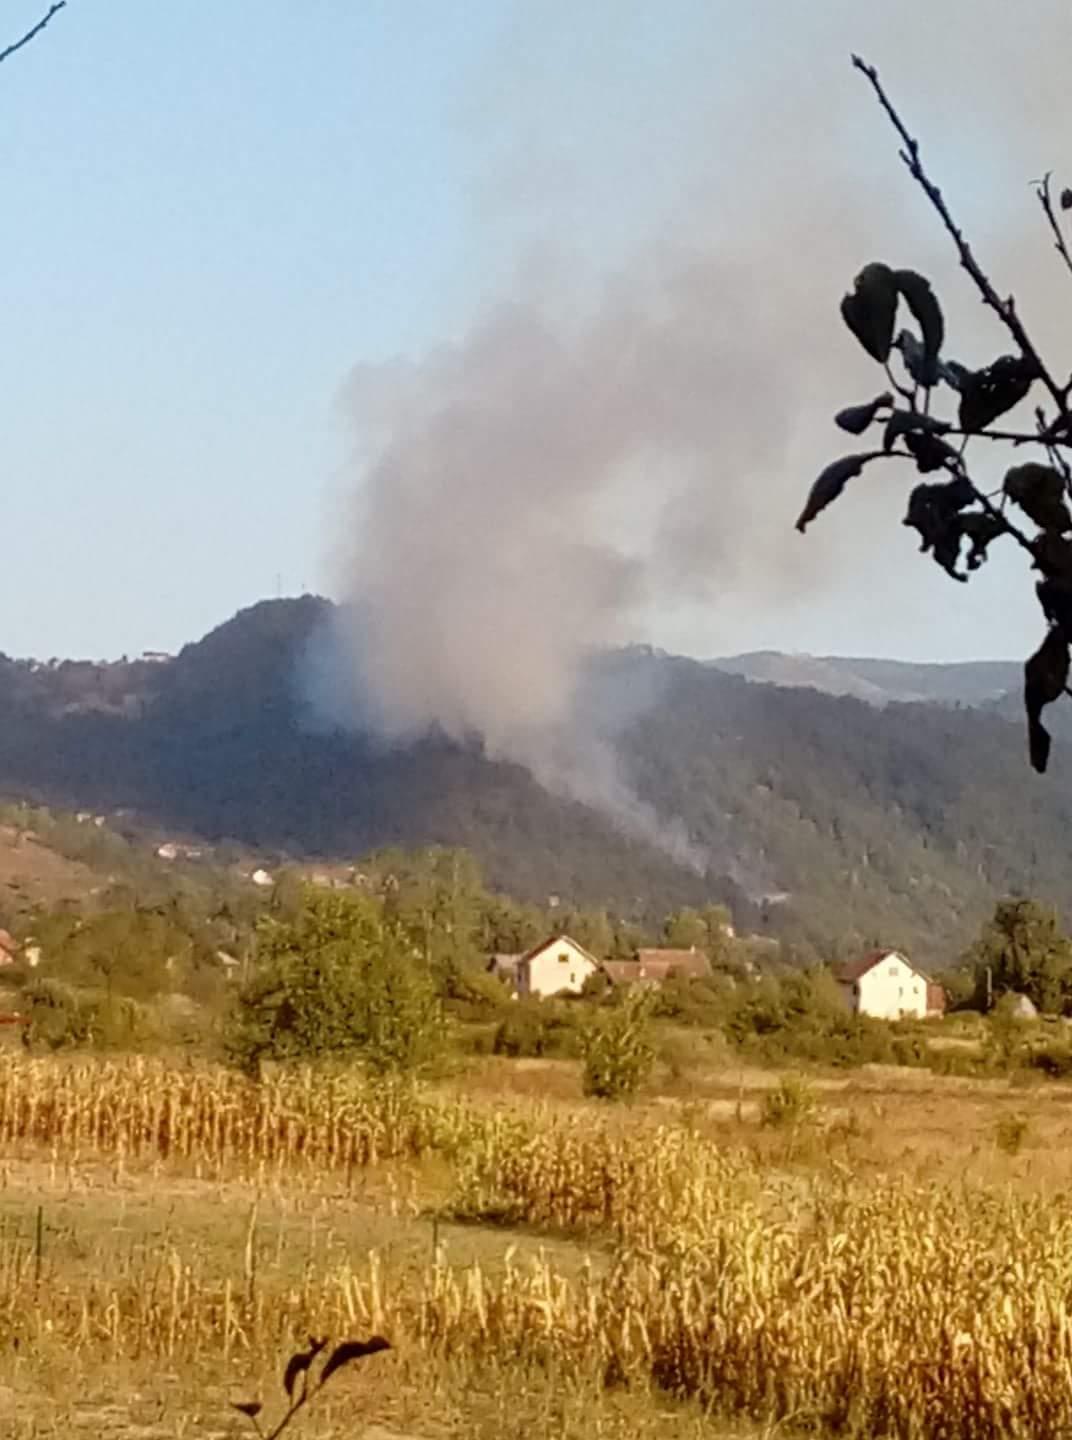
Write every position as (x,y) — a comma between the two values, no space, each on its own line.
(988,393)
(252,1408)
(829,486)
(352,1350)
(1053,556)
(1055,598)
(923,303)
(1045,678)
(871,309)
(1039,490)
(930,453)
(857,418)
(934,510)
(299,1363)
(955,375)
(907,422)
(981,528)
(1066,199)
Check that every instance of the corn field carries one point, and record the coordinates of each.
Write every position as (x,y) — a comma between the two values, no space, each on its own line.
(905,1314)
(216,1120)
(888,1310)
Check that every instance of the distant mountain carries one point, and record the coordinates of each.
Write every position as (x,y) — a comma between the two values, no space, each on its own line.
(824,819)
(880,682)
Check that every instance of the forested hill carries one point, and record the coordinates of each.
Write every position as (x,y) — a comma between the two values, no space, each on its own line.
(844,823)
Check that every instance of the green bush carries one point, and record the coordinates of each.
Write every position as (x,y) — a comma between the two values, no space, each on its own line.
(1010,1132)
(791,1105)
(539,1029)
(59,1018)
(617,1049)
(63,1018)
(337,980)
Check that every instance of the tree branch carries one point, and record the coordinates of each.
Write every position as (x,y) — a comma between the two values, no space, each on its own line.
(1004,309)
(53,10)
(1042,190)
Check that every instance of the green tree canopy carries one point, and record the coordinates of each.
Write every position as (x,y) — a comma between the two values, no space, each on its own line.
(339,979)
(1025,949)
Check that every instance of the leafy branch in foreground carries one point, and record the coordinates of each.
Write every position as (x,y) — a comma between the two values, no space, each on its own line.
(300,1388)
(957,520)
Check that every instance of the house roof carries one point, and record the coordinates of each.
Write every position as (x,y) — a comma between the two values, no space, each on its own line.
(620,972)
(854,970)
(551,940)
(659,964)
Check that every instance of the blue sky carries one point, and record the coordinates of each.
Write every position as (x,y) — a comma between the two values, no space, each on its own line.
(213,213)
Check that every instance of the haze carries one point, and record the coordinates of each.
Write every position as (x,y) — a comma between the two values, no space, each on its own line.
(248,263)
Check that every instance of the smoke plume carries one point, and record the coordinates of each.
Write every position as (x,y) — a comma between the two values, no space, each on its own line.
(611,447)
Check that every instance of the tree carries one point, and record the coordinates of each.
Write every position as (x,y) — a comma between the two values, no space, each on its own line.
(1025,950)
(617,1049)
(955,512)
(338,980)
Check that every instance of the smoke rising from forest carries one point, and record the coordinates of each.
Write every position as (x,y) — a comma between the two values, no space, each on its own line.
(593,455)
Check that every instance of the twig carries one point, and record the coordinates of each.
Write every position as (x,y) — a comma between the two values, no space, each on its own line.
(1004,309)
(1042,190)
(53,10)
(1057,460)
(1015,437)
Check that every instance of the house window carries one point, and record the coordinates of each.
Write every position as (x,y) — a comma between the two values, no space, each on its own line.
(563,959)
(892,971)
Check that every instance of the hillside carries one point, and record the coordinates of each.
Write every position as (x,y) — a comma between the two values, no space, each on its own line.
(824,818)
(880,682)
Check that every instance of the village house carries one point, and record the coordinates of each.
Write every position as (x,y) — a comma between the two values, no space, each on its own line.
(8,948)
(653,967)
(887,986)
(558,966)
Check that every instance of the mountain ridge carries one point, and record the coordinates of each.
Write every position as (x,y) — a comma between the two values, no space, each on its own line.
(828,819)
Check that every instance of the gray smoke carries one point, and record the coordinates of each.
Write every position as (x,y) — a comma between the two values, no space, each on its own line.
(592,456)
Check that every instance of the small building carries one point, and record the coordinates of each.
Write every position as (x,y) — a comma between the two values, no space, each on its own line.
(505,968)
(887,986)
(558,966)
(652,967)
(9,947)
(262,878)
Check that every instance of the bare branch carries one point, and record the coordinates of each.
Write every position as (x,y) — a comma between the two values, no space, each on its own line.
(1043,192)
(1004,309)
(53,10)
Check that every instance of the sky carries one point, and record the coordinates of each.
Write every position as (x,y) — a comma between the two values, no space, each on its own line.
(220,220)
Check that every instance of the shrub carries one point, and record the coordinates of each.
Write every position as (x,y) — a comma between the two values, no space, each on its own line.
(336,980)
(791,1105)
(617,1049)
(539,1029)
(59,1018)
(1010,1132)
(1054,1060)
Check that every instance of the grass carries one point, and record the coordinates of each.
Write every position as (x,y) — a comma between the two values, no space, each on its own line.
(502,1251)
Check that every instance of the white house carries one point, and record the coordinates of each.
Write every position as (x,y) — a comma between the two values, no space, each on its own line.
(886,986)
(557,966)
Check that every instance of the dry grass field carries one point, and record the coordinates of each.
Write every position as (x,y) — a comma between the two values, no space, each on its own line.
(890,1253)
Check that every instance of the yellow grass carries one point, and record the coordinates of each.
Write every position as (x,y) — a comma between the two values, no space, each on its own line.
(813,1278)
